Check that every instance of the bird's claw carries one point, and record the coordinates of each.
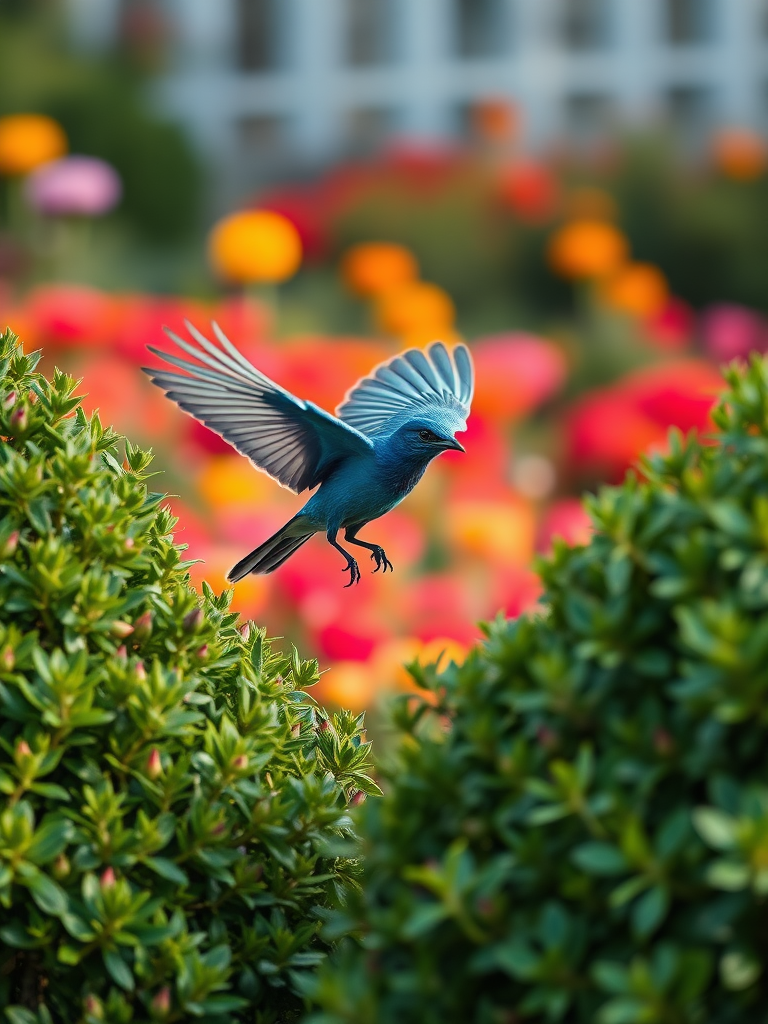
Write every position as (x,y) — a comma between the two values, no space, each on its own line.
(354,572)
(382,562)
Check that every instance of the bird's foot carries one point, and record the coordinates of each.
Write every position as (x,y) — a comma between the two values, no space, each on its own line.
(382,562)
(354,572)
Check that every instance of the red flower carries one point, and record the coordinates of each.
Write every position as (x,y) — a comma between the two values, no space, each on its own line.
(608,429)
(530,190)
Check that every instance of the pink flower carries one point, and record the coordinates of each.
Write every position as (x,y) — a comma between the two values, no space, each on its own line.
(732,332)
(515,373)
(74,185)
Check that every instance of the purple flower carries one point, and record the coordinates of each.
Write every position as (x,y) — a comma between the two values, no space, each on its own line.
(74,185)
(731,332)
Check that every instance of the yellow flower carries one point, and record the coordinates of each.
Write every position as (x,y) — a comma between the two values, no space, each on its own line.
(255,246)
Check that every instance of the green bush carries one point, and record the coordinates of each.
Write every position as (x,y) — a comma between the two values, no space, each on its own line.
(173,806)
(576,829)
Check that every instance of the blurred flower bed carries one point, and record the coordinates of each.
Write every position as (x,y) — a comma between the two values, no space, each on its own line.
(588,346)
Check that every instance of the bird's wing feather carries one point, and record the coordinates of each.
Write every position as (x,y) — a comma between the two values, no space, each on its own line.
(294,441)
(412,384)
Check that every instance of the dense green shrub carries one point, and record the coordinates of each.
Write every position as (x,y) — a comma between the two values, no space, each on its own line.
(173,806)
(577,830)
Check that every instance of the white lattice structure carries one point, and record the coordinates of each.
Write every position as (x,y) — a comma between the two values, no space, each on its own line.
(264,83)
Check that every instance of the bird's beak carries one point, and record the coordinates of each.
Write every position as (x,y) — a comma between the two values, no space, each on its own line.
(455,445)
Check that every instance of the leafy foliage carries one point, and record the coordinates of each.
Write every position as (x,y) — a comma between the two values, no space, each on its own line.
(173,805)
(575,826)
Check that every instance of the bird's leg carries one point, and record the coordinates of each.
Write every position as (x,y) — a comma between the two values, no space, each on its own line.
(377,552)
(351,566)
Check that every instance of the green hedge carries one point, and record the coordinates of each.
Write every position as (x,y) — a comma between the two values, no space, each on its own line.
(576,827)
(173,805)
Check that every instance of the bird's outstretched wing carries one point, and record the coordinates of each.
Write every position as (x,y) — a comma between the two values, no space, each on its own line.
(435,382)
(296,442)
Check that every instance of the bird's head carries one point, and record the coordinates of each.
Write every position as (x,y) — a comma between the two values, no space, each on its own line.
(427,438)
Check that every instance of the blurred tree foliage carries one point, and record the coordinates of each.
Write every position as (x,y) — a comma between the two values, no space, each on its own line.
(101,101)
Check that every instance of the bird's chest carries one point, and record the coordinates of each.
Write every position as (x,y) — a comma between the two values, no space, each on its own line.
(377,493)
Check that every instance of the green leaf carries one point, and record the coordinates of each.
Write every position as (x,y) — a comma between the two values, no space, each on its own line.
(717,829)
(600,859)
(47,894)
(649,911)
(167,869)
(49,841)
(18,1015)
(17,936)
(118,970)
(623,1011)
(423,919)
(223,1004)
(739,970)
(612,977)
(729,875)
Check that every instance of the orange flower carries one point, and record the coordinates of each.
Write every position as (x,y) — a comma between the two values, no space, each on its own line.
(416,307)
(495,120)
(587,249)
(501,532)
(349,684)
(638,289)
(255,246)
(28,140)
(375,267)
(229,480)
(740,154)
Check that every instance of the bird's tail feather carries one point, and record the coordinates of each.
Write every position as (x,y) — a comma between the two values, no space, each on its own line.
(272,553)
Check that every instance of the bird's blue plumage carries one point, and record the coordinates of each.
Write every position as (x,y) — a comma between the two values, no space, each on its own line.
(365,460)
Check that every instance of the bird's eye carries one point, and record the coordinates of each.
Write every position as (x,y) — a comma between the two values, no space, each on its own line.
(426,435)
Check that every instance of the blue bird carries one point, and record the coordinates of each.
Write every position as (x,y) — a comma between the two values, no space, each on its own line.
(365,459)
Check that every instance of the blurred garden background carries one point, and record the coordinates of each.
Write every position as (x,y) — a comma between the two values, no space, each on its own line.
(577,188)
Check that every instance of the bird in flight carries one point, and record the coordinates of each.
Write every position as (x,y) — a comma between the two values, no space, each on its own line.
(365,459)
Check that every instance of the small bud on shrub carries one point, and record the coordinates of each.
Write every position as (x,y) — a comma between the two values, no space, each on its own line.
(121,630)
(61,867)
(107,879)
(94,1007)
(154,764)
(7,660)
(357,798)
(142,627)
(161,1004)
(9,401)
(18,420)
(9,545)
(193,620)
(245,631)
(23,749)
